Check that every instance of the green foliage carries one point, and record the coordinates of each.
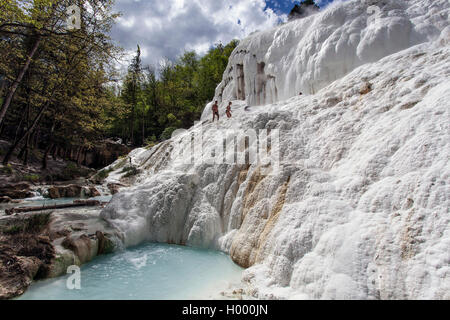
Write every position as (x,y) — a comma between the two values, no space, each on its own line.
(63,94)
(123,161)
(167,133)
(71,166)
(30,223)
(171,118)
(103,174)
(8,170)
(32,177)
(155,102)
(72,171)
(130,171)
(26,11)
(150,142)
(14,229)
(126,169)
(68,90)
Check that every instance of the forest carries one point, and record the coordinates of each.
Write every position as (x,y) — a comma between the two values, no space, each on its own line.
(62,93)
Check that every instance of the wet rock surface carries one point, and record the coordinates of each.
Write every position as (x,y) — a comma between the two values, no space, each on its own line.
(26,253)
(43,244)
(115,187)
(6,199)
(72,191)
(19,190)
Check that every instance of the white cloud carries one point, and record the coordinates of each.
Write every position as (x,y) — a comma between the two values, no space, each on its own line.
(167,28)
(126,23)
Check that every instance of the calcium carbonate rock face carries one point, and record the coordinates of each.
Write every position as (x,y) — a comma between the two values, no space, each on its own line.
(357,204)
(308,54)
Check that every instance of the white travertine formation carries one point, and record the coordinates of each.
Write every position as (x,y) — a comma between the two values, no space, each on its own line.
(308,54)
(360,208)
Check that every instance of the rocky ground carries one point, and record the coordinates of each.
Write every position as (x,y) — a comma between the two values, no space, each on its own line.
(19,181)
(42,245)
(25,253)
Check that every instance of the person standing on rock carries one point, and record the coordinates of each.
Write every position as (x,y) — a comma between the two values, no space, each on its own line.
(215,110)
(228,111)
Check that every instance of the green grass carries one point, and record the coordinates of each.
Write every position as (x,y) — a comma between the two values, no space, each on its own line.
(123,161)
(14,229)
(72,171)
(30,223)
(8,170)
(130,171)
(32,177)
(150,142)
(103,174)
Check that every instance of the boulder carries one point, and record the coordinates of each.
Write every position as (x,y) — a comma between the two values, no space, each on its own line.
(53,193)
(25,254)
(19,190)
(115,187)
(33,246)
(16,274)
(81,246)
(72,191)
(105,153)
(94,192)
(105,245)
(5,199)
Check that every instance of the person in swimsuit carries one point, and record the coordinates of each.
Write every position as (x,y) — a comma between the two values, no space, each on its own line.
(228,111)
(215,110)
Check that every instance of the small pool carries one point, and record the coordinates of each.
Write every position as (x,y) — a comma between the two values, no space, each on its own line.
(41,201)
(146,272)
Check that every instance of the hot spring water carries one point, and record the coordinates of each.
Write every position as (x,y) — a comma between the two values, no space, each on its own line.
(149,271)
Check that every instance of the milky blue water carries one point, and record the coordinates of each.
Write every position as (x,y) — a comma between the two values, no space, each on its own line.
(149,271)
(41,201)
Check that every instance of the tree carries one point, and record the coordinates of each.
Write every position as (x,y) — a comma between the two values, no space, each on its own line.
(59,79)
(171,96)
(210,71)
(305,8)
(132,90)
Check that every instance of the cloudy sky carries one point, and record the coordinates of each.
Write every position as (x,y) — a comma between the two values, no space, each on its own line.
(166,28)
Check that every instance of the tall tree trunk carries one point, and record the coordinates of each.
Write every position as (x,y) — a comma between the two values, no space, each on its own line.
(2,87)
(2,126)
(84,162)
(77,157)
(49,147)
(132,127)
(35,138)
(27,151)
(44,158)
(55,152)
(23,154)
(12,89)
(143,129)
(18,129)
(24,149)
(26,134)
